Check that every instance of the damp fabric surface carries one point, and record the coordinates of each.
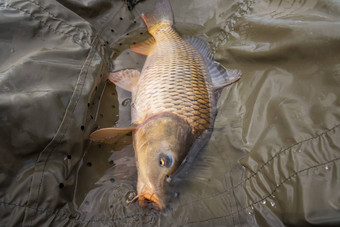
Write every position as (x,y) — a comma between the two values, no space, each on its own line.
(273,156)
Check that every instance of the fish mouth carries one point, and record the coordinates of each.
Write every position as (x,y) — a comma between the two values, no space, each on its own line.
(149,195)
(150,200)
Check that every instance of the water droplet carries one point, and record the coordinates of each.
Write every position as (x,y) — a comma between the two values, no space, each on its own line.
(299,151)
(126,102)
(264,202)
(250,213)
(272,203)
(252,207)
(129,196)
(77,40)
(326,167)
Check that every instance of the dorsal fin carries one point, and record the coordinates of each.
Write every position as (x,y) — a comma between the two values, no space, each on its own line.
(201,46)
(145,47)
(109,135)
(126,79)
(219,75)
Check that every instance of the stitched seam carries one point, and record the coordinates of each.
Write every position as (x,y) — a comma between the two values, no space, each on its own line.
(228,26)
(259,169)
(294,175)
(43,23)
(55,30)
(78,220)
(287,149)
(56,143)
(62,135)
(56,18)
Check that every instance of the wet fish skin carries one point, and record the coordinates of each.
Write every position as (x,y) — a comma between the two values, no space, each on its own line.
(163,136)
(173,102)
(174,80)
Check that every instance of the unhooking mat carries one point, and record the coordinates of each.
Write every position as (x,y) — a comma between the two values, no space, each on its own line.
(273,156)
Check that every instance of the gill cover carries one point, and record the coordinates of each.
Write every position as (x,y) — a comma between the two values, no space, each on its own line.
(161,144)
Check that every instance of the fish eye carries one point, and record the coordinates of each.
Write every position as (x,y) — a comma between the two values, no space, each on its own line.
(165,160)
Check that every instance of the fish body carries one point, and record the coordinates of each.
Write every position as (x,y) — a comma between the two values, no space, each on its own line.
(173,80)
(172,102)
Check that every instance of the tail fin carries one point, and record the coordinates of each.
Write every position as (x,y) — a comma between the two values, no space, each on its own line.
(161,13)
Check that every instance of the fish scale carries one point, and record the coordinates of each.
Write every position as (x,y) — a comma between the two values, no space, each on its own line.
(173,101)
(175,72)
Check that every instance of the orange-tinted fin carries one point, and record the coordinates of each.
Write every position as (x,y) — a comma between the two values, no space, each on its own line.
(126,79)
(219,75)
(161,13)
(145,47)
(109,135)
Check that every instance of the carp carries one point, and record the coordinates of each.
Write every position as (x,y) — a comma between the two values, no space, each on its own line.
(173,102)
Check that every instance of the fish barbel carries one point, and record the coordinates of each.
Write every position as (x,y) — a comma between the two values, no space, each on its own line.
(172,102)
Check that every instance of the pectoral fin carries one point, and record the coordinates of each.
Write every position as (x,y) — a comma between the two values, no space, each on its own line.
(126,79)
(219,75)
(145,47)
(109,135)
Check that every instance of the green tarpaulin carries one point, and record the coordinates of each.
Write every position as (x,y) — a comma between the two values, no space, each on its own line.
(274,154)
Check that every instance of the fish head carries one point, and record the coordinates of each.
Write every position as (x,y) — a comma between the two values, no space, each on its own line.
(161,144)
